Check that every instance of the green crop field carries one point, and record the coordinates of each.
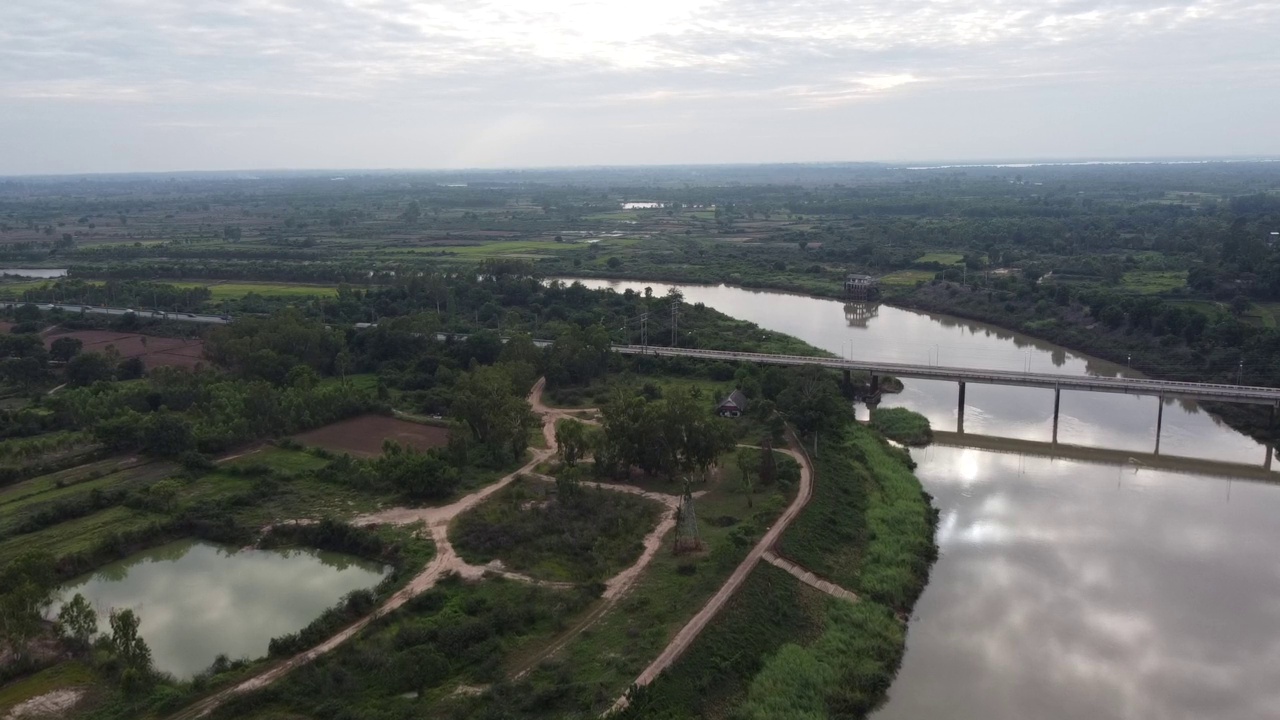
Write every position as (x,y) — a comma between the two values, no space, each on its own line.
(235,291)
(941,258)
(906,278)
(1150,282)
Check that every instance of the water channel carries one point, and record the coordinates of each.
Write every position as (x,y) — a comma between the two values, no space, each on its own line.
(197,600)
(1068,586)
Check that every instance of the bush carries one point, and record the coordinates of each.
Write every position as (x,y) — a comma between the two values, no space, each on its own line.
(902,425)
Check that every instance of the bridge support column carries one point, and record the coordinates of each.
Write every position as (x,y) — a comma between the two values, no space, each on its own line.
(1271,450)
(960,411)
(1057,404)
(848,381)
(875,385)
(1159,420)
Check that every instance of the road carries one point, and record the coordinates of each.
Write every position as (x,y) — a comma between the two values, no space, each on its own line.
(148,314)
(699,622)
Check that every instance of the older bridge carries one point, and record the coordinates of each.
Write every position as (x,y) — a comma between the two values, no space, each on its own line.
(1128,386)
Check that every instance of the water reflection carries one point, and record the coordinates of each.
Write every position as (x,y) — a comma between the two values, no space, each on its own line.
(1131,594)
(1067,588)
(198,600)
(902,336)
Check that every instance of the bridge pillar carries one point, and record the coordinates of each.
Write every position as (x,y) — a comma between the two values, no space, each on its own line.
(1159,420)
(960,410)
(1266,464)
(1057,404)
(875,385)
(848,380)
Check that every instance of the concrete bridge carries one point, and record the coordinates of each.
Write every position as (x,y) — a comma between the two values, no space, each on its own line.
(1128,386)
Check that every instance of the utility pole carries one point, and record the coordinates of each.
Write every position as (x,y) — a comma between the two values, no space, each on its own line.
(675,315)
(644,329)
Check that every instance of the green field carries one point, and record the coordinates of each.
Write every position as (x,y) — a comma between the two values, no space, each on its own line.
(941,258)
(907,278)
(237,290)
(1151,282)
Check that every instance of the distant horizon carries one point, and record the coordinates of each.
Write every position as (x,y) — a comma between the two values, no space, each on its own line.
(922,164)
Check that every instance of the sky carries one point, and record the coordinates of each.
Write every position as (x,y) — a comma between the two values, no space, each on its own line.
(155,85)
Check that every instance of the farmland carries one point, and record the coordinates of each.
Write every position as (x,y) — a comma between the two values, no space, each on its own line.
(363,436)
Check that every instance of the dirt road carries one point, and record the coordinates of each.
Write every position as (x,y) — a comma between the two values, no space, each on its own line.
(445,561)
(695,626)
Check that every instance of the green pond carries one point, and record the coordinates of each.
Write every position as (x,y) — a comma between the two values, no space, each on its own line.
(198,600)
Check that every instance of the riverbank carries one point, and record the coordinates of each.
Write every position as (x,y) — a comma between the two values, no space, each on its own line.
(780,647)
(1075,330)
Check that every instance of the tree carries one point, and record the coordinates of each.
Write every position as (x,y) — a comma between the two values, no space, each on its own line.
(494,411)
(88,368)
(127,644)
(166,493)
(614,263)
(77,622)
(571,441)
(65,348)
(26,313)
(130,369)
(748,465)
(812,400)
(420,476)
(26,585)
(1240,305)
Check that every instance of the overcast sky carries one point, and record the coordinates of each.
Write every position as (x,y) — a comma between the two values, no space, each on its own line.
(128,85)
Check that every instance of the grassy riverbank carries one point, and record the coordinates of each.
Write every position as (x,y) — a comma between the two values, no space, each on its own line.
(781,649)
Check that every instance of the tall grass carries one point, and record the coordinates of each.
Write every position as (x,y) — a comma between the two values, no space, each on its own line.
(902,425)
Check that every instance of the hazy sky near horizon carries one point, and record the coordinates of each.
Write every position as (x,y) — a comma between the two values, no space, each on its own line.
(140,85)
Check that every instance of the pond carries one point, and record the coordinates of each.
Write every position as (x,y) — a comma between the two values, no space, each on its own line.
(197,600)
(32,272)
(1067,587)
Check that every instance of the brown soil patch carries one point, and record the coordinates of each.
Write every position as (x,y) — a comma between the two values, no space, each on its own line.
(154,351)
(363,435)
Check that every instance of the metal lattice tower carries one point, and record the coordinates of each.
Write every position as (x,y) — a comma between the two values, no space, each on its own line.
(675,315)
(644,329)
(687,538)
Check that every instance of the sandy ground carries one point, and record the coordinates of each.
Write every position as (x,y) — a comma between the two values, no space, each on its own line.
(53,704)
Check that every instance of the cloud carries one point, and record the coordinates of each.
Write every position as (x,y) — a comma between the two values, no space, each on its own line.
(287,58)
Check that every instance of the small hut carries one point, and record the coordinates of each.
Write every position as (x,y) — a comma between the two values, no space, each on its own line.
(732,406)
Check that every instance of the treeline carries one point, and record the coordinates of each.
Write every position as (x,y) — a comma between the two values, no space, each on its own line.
(128,293)
(1163,337)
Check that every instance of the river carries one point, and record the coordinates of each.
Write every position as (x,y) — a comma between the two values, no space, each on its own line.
(1066,587)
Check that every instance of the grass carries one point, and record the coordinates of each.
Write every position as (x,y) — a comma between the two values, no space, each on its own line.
(77,536)
(770,610)
(888,554)
(902,425)
(237,290)
(907,278)
(603,660)
(844,673)
(1154,282)
(453,636)
(941,258)
(532,529)
(599,391)
(63,675)
(281,459)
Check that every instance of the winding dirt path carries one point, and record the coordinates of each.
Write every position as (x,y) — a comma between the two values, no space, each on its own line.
(445,561)
(695,626)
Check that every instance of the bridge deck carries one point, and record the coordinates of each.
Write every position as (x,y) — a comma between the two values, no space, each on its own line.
(1128,386)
